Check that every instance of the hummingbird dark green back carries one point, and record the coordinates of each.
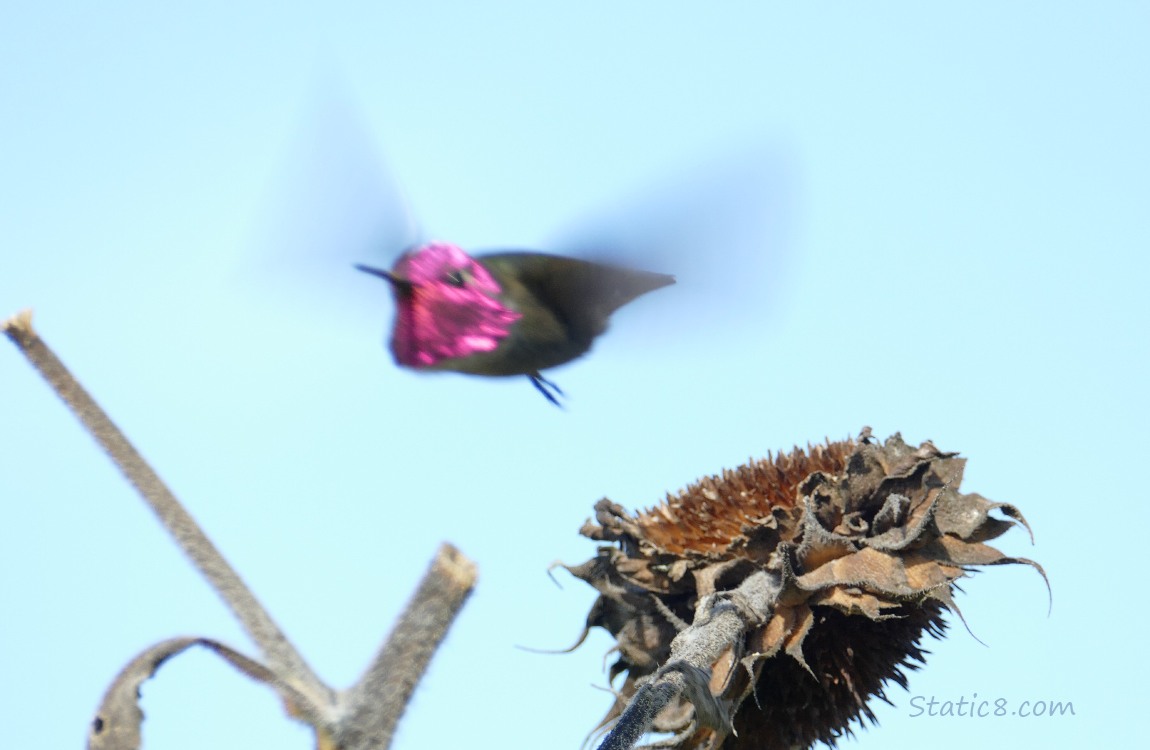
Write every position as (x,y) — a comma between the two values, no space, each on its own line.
(565,302)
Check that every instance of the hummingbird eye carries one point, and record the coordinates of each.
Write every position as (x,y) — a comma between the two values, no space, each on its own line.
(455,278)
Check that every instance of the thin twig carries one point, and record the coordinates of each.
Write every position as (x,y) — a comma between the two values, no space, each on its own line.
(374,705)
(281,655)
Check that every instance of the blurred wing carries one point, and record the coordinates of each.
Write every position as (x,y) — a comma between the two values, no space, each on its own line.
(723,229)
(333,204)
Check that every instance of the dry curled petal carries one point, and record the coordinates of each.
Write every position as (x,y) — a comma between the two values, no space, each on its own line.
(117,723)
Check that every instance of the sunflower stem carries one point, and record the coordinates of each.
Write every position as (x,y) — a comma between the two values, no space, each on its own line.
(721,623)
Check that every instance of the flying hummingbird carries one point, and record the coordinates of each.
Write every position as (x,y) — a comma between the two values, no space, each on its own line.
(505,313)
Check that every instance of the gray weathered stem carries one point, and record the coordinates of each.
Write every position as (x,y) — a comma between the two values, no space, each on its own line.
(363,717)
(281,656)
(371,709)
(721,623)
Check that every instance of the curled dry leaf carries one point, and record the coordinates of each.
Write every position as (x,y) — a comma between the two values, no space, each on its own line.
(869,540)
(118,720)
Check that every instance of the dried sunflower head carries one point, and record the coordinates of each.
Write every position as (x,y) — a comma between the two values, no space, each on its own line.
(867,539)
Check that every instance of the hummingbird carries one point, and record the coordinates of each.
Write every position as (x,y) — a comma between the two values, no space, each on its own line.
(503,313)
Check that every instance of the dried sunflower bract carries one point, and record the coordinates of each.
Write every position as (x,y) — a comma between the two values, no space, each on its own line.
(866,541)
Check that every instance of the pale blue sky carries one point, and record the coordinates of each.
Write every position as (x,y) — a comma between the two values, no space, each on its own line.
(967,209)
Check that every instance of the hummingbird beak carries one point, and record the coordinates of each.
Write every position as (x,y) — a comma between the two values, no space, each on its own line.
(400,284)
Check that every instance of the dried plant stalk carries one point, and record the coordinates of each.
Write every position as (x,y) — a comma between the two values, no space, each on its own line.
(281,655)
(375,704)
(364,716)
